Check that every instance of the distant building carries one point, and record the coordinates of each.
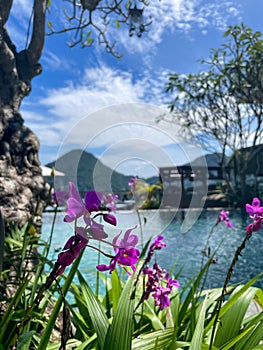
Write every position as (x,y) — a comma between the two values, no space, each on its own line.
(249,160)
(199,181)
(182,183)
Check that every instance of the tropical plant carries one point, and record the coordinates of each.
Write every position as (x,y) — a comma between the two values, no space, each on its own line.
(222,106)
(142,309)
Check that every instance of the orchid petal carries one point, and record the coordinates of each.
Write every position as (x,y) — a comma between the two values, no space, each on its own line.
(256,202)
(73,192)
(75,208)
(110,219)
(93,200)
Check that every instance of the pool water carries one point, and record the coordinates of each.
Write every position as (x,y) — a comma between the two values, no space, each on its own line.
(184,250)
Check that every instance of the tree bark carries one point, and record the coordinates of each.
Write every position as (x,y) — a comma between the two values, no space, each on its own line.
(22,187)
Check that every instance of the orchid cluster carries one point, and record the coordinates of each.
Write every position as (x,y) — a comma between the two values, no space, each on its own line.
(95,205)
(126,253)
(159,283)
(223,217)
(256,214)
(133,181)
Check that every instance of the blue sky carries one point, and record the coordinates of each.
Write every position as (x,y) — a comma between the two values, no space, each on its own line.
(87,99)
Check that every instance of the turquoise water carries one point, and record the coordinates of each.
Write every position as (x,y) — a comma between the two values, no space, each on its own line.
(184,249)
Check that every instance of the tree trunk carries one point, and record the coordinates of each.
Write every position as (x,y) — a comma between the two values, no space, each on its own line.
(22,187)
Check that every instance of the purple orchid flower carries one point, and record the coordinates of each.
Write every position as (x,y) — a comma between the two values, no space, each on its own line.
(93,230)
(255,209)
(161,297)
(158,244)
(110,219)
(70,252)
(92,202)
(256,214)
(133,181)
(128,241)
(60,197)
(75,205)
(223,217)
(109,202)
(160,285)
(126,253)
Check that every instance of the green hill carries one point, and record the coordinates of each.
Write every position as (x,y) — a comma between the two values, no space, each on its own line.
(88,173)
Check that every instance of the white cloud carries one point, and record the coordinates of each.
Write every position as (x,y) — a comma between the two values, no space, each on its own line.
(166,15)
(183,16)
(107,107)
(99,88)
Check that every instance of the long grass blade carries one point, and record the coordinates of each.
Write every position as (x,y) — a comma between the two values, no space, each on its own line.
(148,341)
(52,319)
(196,343)
(234,299)
(97,314)
(10,311)
(2,241)
(229,329)
(119,336)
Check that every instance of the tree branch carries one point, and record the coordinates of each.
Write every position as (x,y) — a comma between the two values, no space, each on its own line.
(7,57)
(5,8)
(36,45)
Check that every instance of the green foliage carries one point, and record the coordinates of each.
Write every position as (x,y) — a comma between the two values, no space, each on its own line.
(154,197)
(118,320)
(222,106)
(96,311)
(2,241)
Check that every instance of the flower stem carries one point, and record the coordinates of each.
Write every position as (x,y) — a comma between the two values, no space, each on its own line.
(224,289)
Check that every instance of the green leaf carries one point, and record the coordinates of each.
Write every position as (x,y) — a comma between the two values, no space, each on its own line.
(196,343)
(97,314)
(86,343)
(52,318)
(49,24)
(255,334)
(116,289)
(259,297)
(118,25)
(236,339)
(10,311)
(148,341)
(71,344)
(24,339)
(14,242)
(119,336)
(189,298)
(151,315)
(2,241)
(234,299)
(229,329)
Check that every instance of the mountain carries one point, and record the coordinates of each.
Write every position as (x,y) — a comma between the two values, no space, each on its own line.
(212,160)
(88,173)
(152,180)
